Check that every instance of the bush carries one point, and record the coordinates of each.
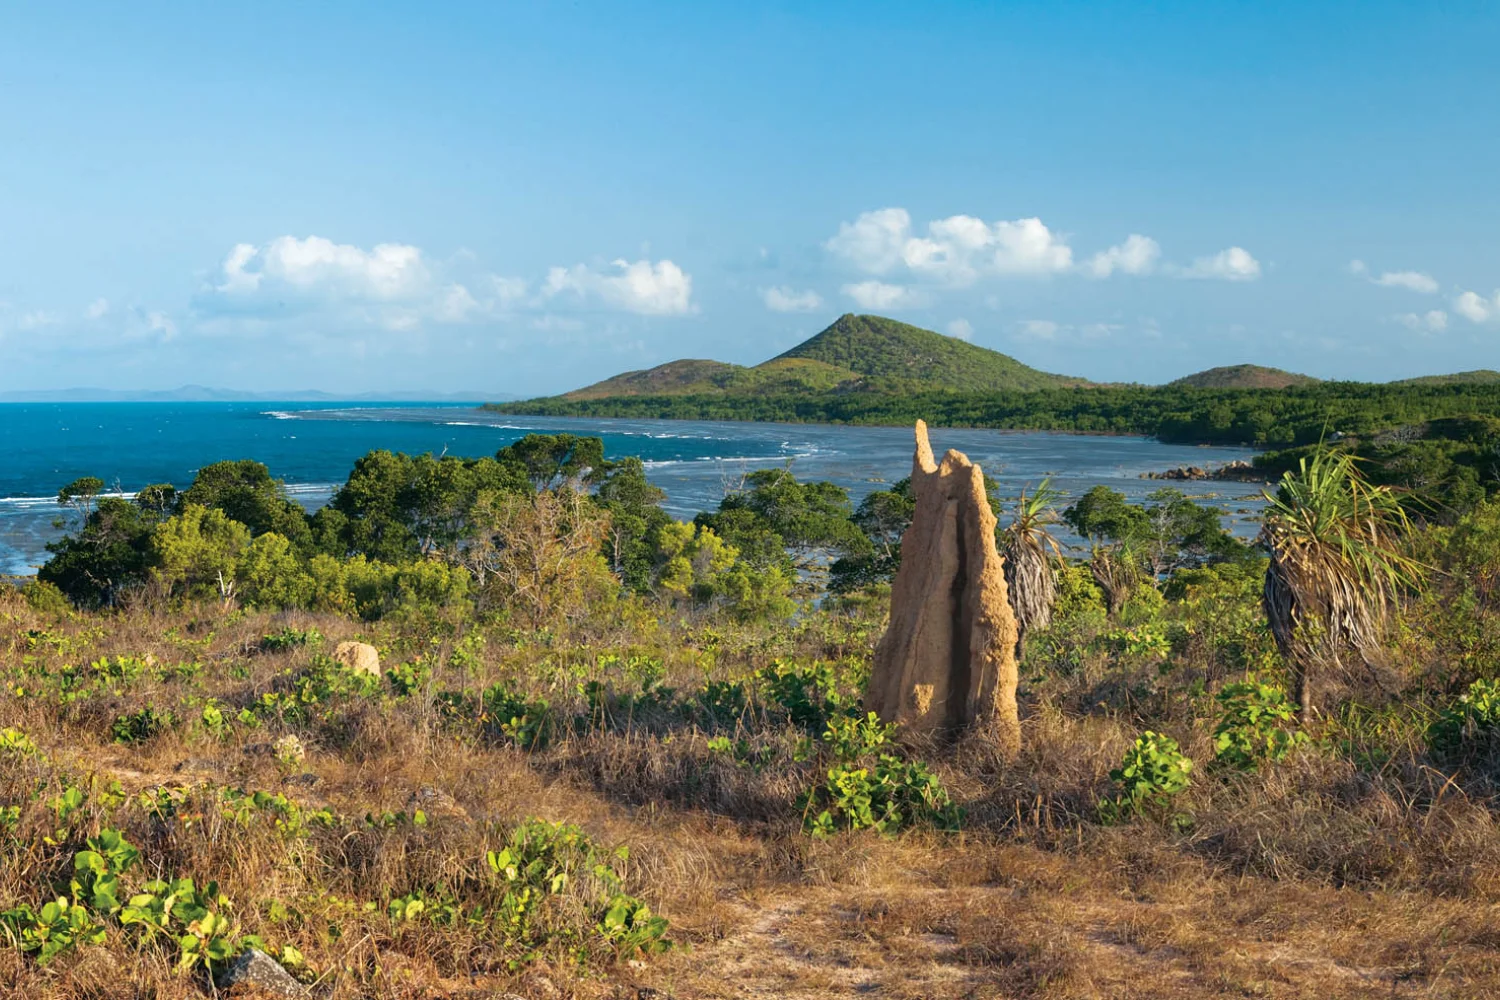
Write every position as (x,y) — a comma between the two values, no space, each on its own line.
(890,797)
(1474,716)
(1153,772)
(1252,726)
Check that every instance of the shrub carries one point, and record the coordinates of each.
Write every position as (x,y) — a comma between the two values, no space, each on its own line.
(137,727)
(1153,772)
(891,797)
(513,717)
(1475,715)
(290,638)
(1252,726)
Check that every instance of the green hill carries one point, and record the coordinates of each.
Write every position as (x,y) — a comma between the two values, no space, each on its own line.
(864,353)
(880,348)
(1243,377)
(1479,376)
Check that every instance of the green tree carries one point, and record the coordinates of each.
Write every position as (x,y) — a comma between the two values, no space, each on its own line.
(245,492)
(552,460)
(635,519)
(196,553)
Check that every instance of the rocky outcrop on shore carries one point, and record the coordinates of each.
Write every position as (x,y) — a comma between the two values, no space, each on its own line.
(1237,471)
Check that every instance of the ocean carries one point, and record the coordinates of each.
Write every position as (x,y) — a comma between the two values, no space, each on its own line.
(311,446)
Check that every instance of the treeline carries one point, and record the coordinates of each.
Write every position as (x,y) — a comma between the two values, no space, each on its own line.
(1262,418)
(547,528)
(547,524)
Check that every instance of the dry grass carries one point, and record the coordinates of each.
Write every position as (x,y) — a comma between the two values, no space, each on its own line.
(1317,878)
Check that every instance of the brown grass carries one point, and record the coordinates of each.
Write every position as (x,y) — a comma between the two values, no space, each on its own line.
(1317,878)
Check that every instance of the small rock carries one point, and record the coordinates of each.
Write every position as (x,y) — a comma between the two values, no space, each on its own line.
(360,657)
(305,780)
(254,968)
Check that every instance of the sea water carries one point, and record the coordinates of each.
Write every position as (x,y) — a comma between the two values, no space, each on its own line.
(311,447)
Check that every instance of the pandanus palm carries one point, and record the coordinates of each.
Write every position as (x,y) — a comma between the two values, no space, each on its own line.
(1337,564)
(1030,550)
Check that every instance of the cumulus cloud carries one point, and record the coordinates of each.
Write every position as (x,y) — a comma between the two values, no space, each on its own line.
(659,289)
(1233,264)
(1476,308)
(955,250)
(962,329)
(878,295)
(98,309)
(389,272)
(1432,321)
(1415,281)
(783,299)
(1137,255)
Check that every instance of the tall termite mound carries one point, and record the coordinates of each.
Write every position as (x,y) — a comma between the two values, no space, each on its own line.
(948,658)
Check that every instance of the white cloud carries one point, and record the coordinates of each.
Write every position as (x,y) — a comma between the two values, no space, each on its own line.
(962,329)
(389,272)
(780,298)
(1432,321)
(1233,264)
(1476,308)
(97,309)
(37,319)
(878,295)
(1413,280)
(955,250)
(874,241)
(1039,329)
(1137,255)
(1358,267)
(659,289)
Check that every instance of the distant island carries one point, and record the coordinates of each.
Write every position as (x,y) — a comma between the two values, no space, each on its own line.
(875,370)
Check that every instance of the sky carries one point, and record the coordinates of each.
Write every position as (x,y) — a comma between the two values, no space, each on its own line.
(523,198)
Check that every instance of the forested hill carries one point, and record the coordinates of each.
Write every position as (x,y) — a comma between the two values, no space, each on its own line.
(1243,377)
(1262,418)
(883,349)
(854,354)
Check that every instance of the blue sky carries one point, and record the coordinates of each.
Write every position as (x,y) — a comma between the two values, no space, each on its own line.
(526,197)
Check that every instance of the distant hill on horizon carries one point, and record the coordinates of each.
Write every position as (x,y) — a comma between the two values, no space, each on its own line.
(1243,377)
(205,394)
(854,353)
(1478,376)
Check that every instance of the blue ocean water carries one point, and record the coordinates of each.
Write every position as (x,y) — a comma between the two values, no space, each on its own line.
(311,446)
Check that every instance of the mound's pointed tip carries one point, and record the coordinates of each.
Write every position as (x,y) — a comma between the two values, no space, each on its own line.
(924,458)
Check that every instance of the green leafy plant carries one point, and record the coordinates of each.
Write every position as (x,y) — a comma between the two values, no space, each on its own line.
(97,870)
(406,679)
(14,743)
(137,727)
(290,638)
(1474,715)
(1153,772)
(515,718)
(890,797)
(1253,726)
(56,927)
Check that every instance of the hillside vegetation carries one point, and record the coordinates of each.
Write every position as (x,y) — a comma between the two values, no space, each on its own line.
(1242,377)
(869,354)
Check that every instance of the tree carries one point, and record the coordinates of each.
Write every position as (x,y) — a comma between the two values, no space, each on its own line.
(196,553)
(1337,563)
(245,492)
(108,555)
(80,494)
(552,460)
(700,569)
(1029,551)
(883,517)
(538,556)
(635,519)
(1105,513)
(809,521)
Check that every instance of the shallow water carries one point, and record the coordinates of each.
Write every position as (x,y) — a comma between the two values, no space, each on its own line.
(313,445)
